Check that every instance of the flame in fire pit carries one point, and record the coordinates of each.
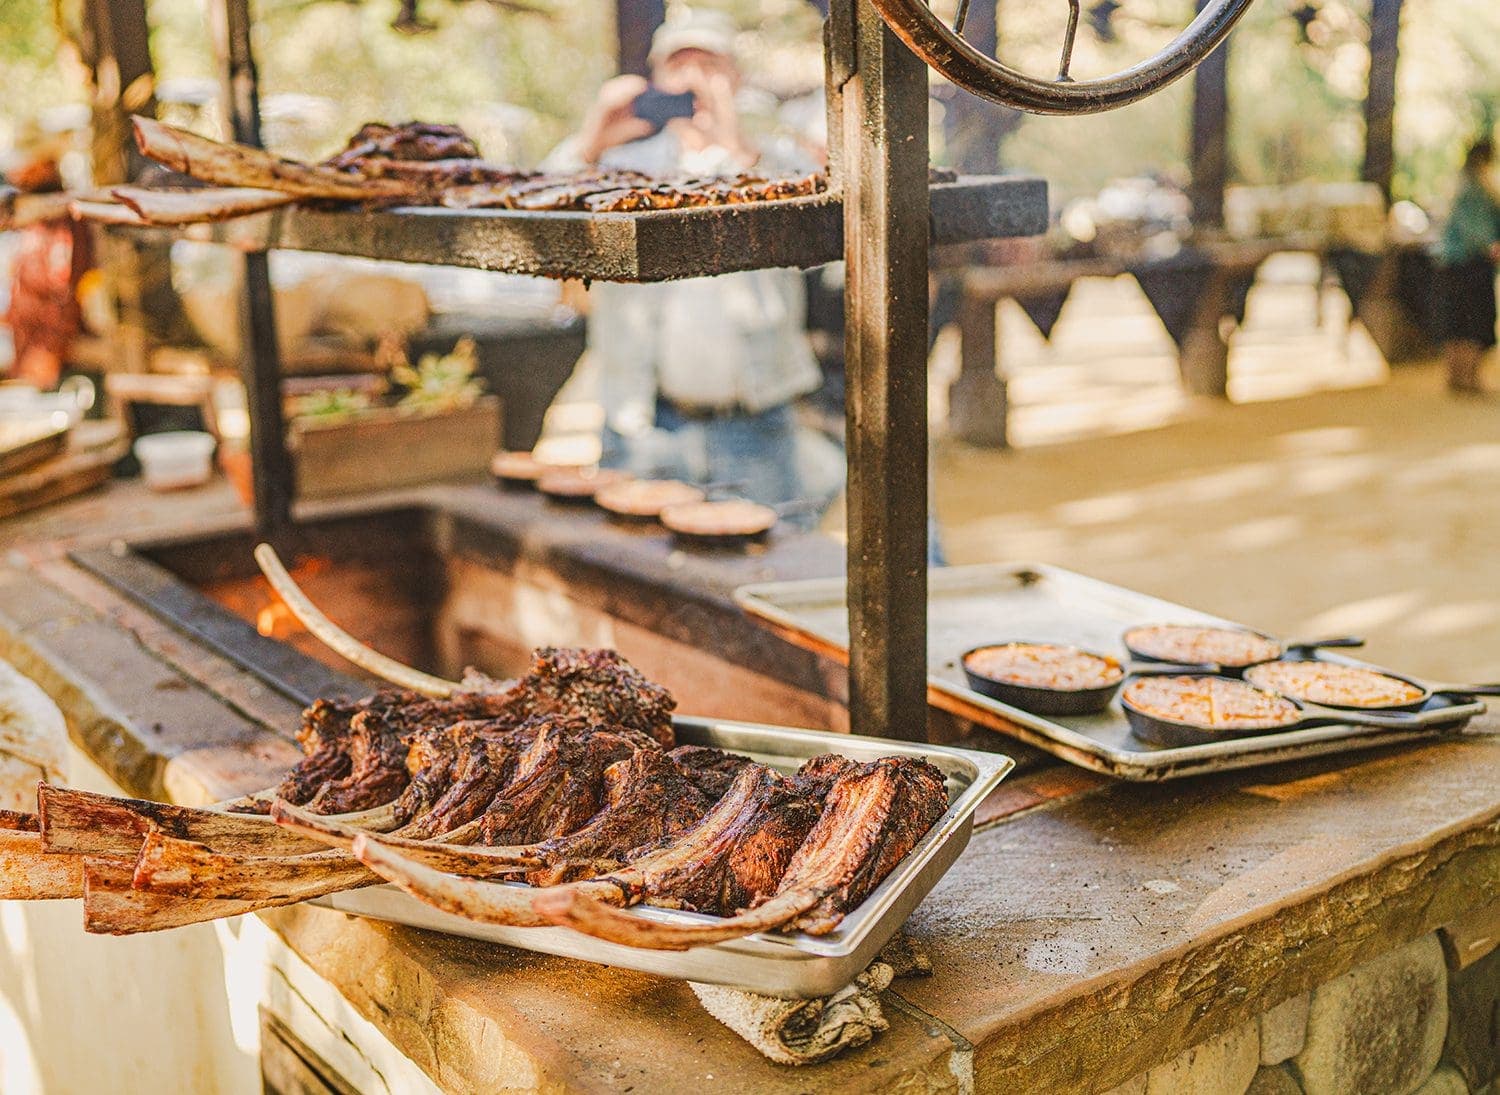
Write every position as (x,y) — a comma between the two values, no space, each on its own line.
(276,621)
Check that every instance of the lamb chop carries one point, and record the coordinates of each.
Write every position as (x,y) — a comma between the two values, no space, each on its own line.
(558,766)
(357,752)
(874,815)
(648,796)
(598,686)
(408,141)
(434,157)
(734,854)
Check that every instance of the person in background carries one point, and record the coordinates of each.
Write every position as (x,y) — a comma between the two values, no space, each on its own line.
(699,377)
(1466,253)
(44,315)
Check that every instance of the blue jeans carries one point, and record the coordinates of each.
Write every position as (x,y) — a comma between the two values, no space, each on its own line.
(756,453)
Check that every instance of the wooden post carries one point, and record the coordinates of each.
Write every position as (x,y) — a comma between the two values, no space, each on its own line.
(884,107)
(260,359)
(635,22)
(113,44)
(974,127)
(1380,96)
(978,400)
(1208,156)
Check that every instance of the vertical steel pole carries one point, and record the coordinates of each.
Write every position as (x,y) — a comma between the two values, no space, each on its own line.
(260,359)
(884,153)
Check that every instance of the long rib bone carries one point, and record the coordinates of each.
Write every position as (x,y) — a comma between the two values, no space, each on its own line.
(242,166)
(340,641)
(450,852)
(112,907)
(169,865)
(760,807)
(85,823)
(486,901)
(29,873)
(173,207)
(874,814)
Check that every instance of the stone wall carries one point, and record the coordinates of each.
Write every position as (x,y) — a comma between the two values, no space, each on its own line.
(1421,1020)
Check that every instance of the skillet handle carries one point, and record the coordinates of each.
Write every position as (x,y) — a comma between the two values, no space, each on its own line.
(1395,720)
(1344,642)
(1466,689)
(1169,669)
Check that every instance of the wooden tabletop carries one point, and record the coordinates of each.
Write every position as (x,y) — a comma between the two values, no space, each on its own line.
(1092,928)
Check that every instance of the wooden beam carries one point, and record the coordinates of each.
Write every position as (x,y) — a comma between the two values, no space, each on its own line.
(1208,156)
(1380,97)
(635,22)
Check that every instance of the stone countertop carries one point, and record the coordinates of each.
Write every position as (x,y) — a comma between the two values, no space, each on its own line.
(1092,930)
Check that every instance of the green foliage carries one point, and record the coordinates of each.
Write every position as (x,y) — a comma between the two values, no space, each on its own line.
(330,406)
(33,65)
(440,382)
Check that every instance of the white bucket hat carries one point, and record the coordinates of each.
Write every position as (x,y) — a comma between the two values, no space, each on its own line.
(710,31)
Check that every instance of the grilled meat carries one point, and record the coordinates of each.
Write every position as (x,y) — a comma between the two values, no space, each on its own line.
(408,141)
(732,855)
(653,796)
(597,686)
(322,735)
(376,744)
(362,754)
(873,815)
(647,796)
(440,759)
(419,163)
(560,784)
(484,760)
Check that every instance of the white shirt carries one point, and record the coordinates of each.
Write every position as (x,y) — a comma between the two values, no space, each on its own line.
(735,340)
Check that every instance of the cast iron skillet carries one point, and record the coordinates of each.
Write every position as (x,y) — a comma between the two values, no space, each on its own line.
(603,498)
(519,470)
(1429,690)
(1284,648)
(1172,733)
(769,517)
(1066,701)
(576,486)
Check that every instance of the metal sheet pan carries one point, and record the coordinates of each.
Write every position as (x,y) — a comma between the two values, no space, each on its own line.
(775,964)
(972,605)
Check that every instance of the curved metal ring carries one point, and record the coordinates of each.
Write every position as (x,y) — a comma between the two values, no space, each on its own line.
(948,53)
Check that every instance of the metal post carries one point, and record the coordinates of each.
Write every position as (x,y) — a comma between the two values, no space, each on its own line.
(1209,151)
(260,360)
(1380,98)
(884,147)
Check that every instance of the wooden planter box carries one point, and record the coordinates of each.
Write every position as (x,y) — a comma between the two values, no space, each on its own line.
(383,448)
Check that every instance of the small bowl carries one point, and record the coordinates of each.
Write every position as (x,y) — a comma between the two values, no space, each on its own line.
(175,460)
(1041,699)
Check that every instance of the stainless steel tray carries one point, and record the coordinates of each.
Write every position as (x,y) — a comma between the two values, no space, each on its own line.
(775,964)
(972,605)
